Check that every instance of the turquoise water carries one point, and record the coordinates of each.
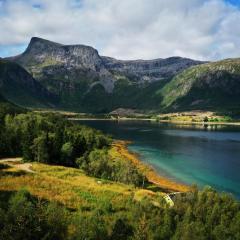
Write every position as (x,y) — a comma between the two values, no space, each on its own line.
(188,154)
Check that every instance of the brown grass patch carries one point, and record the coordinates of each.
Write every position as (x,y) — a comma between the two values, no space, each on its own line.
(68,186)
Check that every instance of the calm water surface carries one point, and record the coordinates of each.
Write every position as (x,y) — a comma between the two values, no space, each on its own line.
(188,154)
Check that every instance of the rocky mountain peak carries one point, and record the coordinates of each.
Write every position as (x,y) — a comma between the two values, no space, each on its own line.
(36,40)
(42,51)
(38,45)
(43,57)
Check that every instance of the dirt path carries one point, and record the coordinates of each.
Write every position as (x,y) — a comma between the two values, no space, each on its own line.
(17,163)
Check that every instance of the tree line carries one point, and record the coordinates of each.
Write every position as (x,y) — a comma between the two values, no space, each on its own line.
(54,140)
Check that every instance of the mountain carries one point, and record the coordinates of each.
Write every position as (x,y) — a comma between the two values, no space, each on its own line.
(76,77)
(85,81)
(46,59)
(213,86)
(149,70)
(19,87)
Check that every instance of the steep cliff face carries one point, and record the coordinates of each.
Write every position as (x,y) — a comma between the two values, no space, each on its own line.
(48,60)
(150,70)
(19,87)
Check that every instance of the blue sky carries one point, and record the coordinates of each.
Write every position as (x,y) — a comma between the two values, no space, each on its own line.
(126,29)
(234,2)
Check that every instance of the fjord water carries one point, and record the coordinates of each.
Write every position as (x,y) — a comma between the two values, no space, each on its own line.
(202,155)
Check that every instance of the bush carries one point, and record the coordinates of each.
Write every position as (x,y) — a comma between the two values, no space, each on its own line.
(89,227)
(122,230)
(26,218)
(99,164)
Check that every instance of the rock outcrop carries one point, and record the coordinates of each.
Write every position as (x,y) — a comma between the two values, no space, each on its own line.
(44,58)
(150,70)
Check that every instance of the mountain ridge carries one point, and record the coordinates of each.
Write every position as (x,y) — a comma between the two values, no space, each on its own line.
(81,56)
(84,81)
(42,53)
(150,70)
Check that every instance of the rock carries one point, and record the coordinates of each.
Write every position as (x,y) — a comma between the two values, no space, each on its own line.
(47,58)
(150,70)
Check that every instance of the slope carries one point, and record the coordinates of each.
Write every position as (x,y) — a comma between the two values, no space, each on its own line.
(19,87)
(214,86)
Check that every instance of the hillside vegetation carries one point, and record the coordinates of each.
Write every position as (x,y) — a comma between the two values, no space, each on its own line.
(54,140)
(8,108)
(19,87)
(77,186)
(209,86)
(63,203)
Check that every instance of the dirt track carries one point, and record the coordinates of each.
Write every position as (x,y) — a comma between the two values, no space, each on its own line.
(17,163)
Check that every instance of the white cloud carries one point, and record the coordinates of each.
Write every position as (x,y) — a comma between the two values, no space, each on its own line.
(127,29)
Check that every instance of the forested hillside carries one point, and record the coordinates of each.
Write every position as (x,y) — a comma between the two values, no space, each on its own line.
(8,108)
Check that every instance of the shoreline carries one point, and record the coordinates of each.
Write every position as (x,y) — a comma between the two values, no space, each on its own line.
(200,123)
(158,121)
(150,173)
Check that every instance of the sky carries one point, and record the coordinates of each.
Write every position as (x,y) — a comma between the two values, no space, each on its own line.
(126,29)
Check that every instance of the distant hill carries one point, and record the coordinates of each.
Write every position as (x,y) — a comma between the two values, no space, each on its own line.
(148,71)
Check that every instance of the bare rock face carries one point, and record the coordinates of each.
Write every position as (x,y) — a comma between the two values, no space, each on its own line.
(150,70)
(42,56)
(41,51)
